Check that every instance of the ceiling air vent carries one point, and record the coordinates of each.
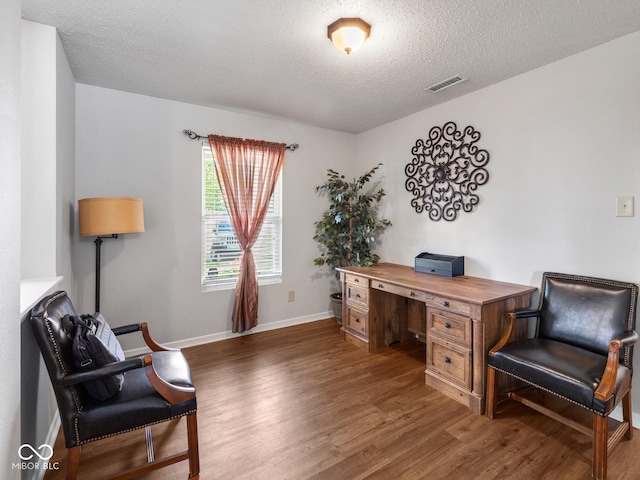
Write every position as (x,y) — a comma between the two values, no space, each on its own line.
(446,83)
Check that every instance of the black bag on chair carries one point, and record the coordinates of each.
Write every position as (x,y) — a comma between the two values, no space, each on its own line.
(95,345)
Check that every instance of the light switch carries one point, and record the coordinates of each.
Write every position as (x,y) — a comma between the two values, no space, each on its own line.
(624,206)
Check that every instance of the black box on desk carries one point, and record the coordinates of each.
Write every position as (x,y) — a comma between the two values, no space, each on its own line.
(445,265)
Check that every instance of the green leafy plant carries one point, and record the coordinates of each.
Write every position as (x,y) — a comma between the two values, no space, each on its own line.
(351,225)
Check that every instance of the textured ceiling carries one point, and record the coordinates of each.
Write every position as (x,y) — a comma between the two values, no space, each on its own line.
(273,57)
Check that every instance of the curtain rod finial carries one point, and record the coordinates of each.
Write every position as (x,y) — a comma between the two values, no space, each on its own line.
(293,147)
(191,134)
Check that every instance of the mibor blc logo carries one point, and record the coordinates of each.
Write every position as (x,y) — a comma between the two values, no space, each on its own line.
(35,459)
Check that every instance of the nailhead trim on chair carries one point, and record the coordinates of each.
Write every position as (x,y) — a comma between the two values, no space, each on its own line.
(190,412)
(76,401)
(549,391)
(608,283)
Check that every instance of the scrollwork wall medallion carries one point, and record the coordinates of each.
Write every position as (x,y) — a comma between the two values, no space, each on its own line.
(445,172)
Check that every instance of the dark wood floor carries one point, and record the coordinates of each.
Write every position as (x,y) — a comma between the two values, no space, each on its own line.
(299,403)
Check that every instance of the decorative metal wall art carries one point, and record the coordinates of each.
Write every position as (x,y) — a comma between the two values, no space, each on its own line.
(445,172)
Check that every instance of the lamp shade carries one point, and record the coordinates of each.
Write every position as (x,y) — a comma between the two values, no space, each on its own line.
(110,215)
(348,34)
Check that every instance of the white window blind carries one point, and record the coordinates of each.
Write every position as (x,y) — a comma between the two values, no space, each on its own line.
(220,248)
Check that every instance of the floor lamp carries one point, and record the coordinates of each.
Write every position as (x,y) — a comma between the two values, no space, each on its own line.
(107,217)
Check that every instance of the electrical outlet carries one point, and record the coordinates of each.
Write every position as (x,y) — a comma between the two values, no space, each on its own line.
(292,295)
(624,206)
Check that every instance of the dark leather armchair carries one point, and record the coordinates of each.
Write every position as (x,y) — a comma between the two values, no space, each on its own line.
(582,353)
(157,388)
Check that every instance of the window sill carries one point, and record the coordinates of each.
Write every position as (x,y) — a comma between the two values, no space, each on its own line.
(232,286)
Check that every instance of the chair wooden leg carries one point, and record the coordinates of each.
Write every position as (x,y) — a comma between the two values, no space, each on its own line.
(600,437)
(73,461)
(627,416)
(491,393)
(192,438)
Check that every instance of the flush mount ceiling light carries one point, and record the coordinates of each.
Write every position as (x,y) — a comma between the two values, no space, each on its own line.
(348,34)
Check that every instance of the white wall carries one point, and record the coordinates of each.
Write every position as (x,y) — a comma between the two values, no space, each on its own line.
(133,145)
(10,233)
(48,150)
(564,142)
(38,206)
(65,121)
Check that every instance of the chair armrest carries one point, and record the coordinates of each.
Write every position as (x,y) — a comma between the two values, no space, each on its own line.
(627,339)
(151,343)
(123,330)
(508,331)
(528,314)
(103,372)
(607,384)
(171,393)
(136,327)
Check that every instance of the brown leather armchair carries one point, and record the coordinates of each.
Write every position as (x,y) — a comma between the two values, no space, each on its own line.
(582,353)
(157,388)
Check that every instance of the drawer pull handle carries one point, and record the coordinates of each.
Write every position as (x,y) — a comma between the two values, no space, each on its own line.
(445,303)
(380,285)
(447,325)
(447,360)
(357,295)
(413,294)
(357,320)
(357,280)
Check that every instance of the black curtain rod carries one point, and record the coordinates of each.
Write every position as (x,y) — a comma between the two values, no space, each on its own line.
(194,136)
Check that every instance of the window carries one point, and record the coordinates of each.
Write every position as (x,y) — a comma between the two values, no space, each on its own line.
(220,248)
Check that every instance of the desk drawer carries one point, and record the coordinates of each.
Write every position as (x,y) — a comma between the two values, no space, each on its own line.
(402,291)
(450,326)
(357,296)
(357,280)
(455,306)
(449,361)
(357,322)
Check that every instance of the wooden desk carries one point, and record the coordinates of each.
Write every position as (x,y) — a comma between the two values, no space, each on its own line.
(459,319)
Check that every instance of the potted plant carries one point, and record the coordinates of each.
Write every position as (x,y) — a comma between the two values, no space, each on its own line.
(347,230)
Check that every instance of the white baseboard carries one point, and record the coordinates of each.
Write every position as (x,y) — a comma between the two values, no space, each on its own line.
(54,429)
(216,337)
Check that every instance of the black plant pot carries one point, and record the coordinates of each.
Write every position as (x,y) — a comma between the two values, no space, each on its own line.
(336,303)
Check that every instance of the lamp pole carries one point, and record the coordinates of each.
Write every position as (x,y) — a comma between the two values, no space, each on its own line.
(98,243)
